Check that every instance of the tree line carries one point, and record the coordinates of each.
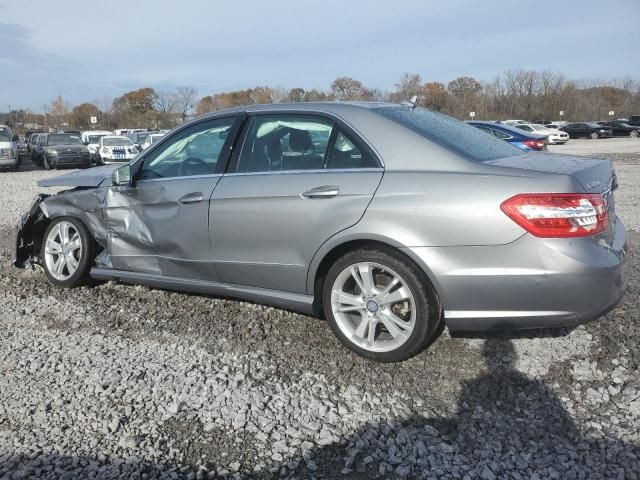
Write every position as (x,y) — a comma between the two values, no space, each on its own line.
(517,93)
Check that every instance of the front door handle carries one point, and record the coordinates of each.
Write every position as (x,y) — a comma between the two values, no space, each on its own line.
(194,197)
(325,191)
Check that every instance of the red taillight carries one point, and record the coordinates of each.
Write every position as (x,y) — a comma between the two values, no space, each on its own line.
(558,214)
(535,144)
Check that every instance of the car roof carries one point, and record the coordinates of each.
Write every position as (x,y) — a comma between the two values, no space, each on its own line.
(335,107)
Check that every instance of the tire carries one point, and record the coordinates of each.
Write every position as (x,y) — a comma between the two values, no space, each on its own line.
(634,134)
(594,136)
(68,277)
(419,305)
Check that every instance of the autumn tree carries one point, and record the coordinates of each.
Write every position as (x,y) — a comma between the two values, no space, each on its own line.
(346,88)
(137,101)
(434,95)
(205,105)
(296,95)
(81,115)
(463,90)
(408,86)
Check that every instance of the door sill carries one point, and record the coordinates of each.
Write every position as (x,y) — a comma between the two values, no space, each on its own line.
(286,300)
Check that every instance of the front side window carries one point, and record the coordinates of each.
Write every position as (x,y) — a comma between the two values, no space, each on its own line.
(195,150)
(5,134)
(285,142)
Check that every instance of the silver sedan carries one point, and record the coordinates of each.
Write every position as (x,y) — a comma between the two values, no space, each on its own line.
(385,219)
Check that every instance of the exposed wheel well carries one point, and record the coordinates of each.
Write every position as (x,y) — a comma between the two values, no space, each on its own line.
(330,258)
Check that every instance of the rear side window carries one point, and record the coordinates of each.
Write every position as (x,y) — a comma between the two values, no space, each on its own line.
(450,133)
(276,143)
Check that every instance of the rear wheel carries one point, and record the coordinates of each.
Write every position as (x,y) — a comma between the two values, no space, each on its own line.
(380,305)
(594,135)
(67,252)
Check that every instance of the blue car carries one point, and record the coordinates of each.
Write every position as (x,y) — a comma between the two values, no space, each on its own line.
(519,138)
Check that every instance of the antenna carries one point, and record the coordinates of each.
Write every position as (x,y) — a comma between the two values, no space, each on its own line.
(411,103)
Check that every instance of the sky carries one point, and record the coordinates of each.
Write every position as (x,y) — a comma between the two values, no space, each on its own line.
(96,50)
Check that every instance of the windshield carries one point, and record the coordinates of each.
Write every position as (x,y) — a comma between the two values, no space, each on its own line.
(63,139)
(142,137)
(450,133)
(5,134)
(116,142)
(94,138)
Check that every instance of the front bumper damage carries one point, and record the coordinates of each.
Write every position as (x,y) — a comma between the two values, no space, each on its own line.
(83,204)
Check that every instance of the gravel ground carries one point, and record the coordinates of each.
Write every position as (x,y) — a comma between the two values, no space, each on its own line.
(119,381)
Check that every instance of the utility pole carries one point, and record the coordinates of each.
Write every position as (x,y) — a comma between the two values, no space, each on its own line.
(45,115)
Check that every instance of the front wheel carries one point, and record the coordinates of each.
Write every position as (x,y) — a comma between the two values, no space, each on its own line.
(634,133)
(67,252)
(594,135)
(380,305)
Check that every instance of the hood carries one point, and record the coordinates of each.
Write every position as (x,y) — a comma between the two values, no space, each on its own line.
(595,175)
(91,177)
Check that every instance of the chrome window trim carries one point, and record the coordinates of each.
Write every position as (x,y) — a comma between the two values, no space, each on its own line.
(300,172)
(186,177)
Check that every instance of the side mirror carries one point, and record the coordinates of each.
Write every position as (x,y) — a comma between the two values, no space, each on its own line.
(15,138)
(86,143)
(122,176)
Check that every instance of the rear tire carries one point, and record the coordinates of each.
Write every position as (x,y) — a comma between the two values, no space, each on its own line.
(67,257)
(380,305)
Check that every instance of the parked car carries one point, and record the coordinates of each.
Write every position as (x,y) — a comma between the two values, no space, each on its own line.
(138,137)
(386,219)
(9,157)
(154,137)
(73,132)
(91,138)
(634,120)
(555,136)
(515,136)
(515,122)
(64,150)
(38,140)
(22,148)
(27,137)
(115,149)
(587,130)
(622,129)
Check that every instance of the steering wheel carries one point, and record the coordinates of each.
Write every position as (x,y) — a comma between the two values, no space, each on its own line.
(193,166)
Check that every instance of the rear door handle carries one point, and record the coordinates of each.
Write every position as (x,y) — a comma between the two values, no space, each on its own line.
(194,197)
(325,191)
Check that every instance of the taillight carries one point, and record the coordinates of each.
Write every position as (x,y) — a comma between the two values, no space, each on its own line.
(558,214)
(535,144)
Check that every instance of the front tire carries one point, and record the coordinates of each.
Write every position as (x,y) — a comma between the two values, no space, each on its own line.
(634,133)
(594,136)
(380,305)
(67,252)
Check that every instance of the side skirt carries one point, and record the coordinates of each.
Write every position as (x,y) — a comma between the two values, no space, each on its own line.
(286,300)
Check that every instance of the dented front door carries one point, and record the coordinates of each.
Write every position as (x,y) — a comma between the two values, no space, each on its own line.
(160,224)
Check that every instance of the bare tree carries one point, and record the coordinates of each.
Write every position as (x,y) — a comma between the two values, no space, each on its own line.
(185,101)
(165,102)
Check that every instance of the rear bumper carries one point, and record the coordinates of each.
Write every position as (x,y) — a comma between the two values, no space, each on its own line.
(529,283)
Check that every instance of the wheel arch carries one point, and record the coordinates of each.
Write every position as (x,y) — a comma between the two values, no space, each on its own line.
(332,250)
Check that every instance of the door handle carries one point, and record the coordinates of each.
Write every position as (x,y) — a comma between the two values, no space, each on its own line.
(325,191)
(191,198)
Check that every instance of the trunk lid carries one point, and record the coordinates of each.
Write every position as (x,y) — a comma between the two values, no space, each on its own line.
(594,174)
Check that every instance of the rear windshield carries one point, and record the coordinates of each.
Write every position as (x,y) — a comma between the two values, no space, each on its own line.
(64,139)
(450,133)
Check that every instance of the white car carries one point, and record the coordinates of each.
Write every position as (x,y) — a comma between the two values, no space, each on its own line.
(555,136)
(515,123)
(8,149)
(151,139)
(91,138)
(116,149)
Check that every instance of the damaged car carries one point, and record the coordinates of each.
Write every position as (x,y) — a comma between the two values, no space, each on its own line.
(385,219)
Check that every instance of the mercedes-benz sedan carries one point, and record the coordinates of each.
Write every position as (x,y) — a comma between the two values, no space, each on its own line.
(385,219)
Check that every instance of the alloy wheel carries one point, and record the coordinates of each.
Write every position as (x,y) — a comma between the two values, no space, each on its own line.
(63,250)
(373,307)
